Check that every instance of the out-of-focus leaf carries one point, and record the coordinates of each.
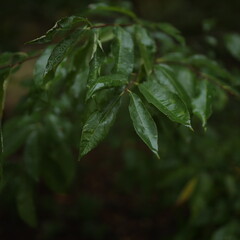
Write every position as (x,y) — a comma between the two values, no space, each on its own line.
(61,49)
(166,101)
(187,79)
(172,31)
(25,203)
(113,80)
(187,191)
(32,155)
(15,133)
(123,51)
(202,104)
(61,26)
(143,123)
(100,7)
(97,126)
(58,167)
(232,42)
(146,46)
(4,73)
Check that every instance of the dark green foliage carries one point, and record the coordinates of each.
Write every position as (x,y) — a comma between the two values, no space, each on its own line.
(95,75)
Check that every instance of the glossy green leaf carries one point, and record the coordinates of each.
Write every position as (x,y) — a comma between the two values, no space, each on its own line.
(97,126)
(113,80)
(165,76)
(232,42)
(32,155)
(146,47)
(172,31)
(25,203)
(123,51)
(143,123)
(61,50)
(61,26)
(202,104)
(166,101)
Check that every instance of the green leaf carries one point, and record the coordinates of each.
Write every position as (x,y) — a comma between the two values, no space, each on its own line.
(165,76)
(202,105)
(143,123)
(146,46)
(32,155)
(113,80)
(4,73)
(97,126)
(166,101)
(232,42)
(61,26)
(61,50)
(40,66)
(123,51)
(25,203)
(172,31)
(100,7)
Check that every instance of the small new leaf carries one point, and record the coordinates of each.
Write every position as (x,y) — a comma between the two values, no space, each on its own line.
(143,123)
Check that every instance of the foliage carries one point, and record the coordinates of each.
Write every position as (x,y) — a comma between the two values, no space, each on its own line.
(96,72)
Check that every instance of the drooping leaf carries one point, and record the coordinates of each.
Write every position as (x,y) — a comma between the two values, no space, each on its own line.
(123,51)
(232,42)
(202,104)
(113,80)
(32,155)
(166,101)
(61,26)
(143,123)
(172,31)
(97,126)
(61,49)
(146,47)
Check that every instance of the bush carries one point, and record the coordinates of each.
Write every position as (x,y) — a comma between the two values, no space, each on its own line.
(90,75)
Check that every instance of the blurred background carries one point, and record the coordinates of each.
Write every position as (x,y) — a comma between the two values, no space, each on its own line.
(120,190)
